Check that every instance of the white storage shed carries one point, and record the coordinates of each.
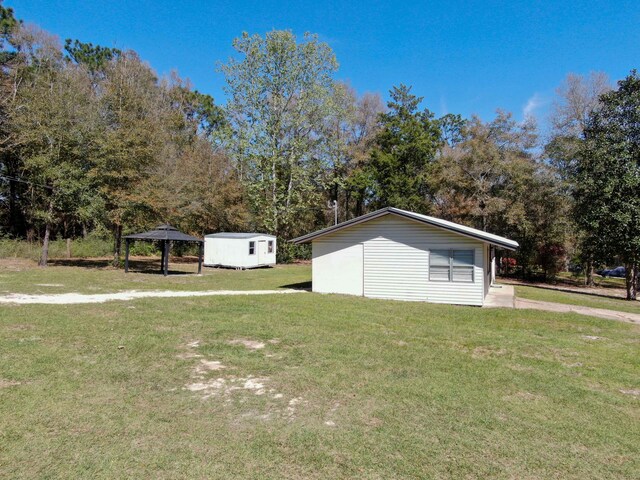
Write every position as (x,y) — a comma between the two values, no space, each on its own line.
(239,250)
(396,254)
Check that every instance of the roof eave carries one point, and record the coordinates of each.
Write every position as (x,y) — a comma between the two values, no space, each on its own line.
(509,246)
(336,228)
(389,210)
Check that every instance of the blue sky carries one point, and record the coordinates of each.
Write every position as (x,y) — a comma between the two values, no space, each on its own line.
(462,57)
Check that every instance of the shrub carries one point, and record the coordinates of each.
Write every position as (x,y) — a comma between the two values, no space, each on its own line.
(288,252)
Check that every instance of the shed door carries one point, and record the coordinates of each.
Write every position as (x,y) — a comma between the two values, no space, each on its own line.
(262,252)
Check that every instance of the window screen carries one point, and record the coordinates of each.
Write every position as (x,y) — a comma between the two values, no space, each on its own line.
(439,265)
(462,263)
(252,248)
(451,265)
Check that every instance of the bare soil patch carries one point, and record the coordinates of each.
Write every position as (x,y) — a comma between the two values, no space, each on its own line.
(484,352)
(635,393)
(249,344)
(8,383)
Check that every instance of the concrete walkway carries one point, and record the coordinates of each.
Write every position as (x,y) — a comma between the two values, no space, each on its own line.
(500,296)
(75,298)
(503,296)
(592,312)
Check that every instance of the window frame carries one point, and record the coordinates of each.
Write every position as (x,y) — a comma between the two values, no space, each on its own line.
(269,246)
(252,247)
(451,267)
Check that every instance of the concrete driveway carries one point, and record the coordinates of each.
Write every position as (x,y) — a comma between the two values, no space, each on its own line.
(503,296)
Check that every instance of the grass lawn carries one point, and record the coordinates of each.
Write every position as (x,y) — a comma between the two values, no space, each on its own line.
(585,300)
(578,280)
(342,387)
(95,276)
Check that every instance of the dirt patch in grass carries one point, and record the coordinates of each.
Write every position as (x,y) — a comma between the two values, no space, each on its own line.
(635,393)
(592,337)
(20,327)
(225,386)
(249,344)
(573,365)
(8,383)
(206,366)
(208,381)
(485,352)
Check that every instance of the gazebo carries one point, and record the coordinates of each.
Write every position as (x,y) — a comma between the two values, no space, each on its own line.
(165,234)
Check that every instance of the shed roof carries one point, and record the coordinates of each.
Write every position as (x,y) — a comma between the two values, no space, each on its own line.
(237,235)
(164,232)
(436,222)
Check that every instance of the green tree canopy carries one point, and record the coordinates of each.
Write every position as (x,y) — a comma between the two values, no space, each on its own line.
(405,149)
(281,92)
(608,178)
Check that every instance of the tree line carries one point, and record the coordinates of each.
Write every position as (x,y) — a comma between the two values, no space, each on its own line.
(92,140)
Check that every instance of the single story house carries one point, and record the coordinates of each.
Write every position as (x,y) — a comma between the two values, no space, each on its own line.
(396,254)
(239,250)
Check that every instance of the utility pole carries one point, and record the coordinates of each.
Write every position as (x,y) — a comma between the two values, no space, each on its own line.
(335,212)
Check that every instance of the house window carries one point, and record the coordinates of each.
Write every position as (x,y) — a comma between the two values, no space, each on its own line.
(451,266)
(252,248)
(439,266)
(270,246)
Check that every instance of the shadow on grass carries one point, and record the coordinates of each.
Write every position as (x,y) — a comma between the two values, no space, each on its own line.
(238,269)
(81,262)
(148,265)
(298,286)
(566,290)
(571,281)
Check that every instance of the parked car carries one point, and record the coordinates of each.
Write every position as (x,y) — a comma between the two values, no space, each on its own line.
(618,272)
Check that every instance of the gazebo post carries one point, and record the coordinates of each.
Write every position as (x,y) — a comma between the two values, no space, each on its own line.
(126,256)
(162,248)
(200,248)
(166,257)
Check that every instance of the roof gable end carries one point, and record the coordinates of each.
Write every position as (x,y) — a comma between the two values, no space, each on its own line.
(425,219)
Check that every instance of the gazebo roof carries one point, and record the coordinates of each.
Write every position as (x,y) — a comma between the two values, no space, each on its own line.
(164,232)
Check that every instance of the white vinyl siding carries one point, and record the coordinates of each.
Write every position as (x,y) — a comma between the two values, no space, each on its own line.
(394,270)
(244,252)
(337,268)
(396,261)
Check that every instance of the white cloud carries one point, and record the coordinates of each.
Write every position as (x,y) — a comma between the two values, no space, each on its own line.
(444,109)
(533,104)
